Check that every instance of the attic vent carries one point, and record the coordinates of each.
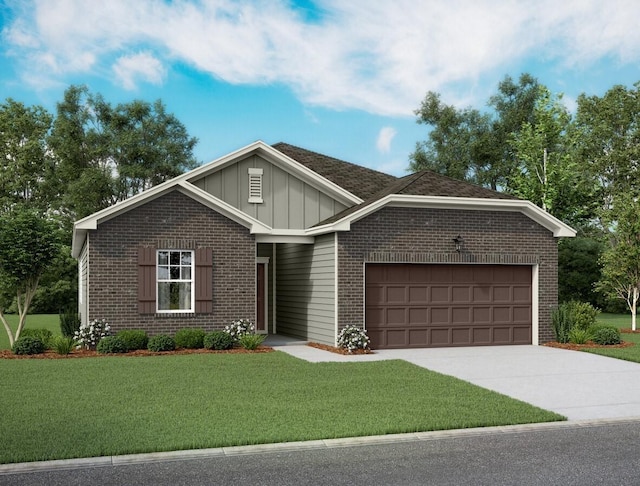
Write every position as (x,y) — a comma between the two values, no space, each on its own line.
(255,185)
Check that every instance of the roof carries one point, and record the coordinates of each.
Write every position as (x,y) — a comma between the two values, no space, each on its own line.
(363,190)
(358,180)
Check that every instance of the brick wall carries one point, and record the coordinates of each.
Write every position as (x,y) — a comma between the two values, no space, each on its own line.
(113,252)
(425,236)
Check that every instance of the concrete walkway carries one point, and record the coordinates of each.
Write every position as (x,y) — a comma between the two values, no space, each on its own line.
(580,386)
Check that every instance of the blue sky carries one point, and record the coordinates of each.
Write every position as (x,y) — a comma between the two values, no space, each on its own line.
(339,77)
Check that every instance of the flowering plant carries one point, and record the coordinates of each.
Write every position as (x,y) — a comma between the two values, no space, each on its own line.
(239,328)
(352,338)
(90,333)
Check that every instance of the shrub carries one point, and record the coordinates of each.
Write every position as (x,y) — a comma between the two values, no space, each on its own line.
(239,328)
(111,345)
(69,322)
(28,345)
(63,344)
(218,340)
(579,336)
(190,338)
(352,338)
(251,341)
(134,339)
(44,335)
(583,314)
(606,335)
(90,333)
(560,320)
(161,342)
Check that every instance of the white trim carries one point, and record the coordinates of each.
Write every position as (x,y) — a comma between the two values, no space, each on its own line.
(277,238)
(535,305)
(335,289)
(527,208)
(191,281)
(265,261)
(273,289)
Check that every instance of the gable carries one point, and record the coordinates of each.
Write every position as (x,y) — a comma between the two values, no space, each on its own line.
(270,193)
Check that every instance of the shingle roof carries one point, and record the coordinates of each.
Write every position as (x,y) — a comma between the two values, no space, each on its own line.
(371,185)
(360,181)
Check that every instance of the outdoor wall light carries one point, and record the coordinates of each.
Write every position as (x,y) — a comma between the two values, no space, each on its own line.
(458,242)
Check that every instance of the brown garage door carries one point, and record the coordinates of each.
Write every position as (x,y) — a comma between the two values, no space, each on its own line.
(419,305)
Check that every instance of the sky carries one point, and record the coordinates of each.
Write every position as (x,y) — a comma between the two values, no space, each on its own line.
(340,77)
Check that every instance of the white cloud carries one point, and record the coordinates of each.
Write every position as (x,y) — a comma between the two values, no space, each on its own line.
(379,56)
(385,137)
(142,66)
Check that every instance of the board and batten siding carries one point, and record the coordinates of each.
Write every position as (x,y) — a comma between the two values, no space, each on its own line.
(288,202)
(305,295)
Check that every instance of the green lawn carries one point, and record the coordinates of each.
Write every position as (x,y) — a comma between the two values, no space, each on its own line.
(622,321)
(55,409)
(34,321)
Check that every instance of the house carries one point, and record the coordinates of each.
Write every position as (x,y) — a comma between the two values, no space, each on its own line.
(304,244)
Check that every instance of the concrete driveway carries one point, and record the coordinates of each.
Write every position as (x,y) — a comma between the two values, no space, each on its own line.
(580,386)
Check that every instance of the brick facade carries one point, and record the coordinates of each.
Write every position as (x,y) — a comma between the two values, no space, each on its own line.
(419,235)
(113,253)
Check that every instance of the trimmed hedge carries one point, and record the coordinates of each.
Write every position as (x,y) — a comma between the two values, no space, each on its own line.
(44,335)
(190,338)
(161,342)
(28,345)
(111,345)
(606,335)
(134,339)
(218,340)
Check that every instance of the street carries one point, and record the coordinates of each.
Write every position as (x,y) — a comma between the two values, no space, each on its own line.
(580,455)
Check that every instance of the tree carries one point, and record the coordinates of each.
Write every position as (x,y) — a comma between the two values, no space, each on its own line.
(609,144)
(621,260)
(28,244)
(24,161)
(105,154)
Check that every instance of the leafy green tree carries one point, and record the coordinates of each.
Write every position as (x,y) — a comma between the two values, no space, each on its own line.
(28,244)
(621,260)
(579,270)
(106,154)
(470,145)
(25,165)
(609,144)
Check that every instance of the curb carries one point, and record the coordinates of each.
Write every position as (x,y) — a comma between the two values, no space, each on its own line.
(146,458)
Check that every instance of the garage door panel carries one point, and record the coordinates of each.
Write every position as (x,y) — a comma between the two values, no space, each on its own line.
(460,315)
(502,314)
(418,316)
(429,305)
(460,336)
(418,295)
(396,316)
(439,316)
(461,294)
(396,294)
(521,294)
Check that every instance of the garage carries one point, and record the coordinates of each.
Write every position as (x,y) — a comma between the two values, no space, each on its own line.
(439,305)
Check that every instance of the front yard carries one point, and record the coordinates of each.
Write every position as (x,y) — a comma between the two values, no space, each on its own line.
(621,321)
(66,408)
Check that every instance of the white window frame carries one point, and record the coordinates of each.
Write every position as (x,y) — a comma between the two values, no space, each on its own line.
(255,185)
(190,281)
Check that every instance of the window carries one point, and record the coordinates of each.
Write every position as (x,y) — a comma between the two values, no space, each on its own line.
(255,185)
(175,281)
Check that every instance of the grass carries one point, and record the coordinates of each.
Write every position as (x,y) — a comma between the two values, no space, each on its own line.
(66,408)
(34,321)
(621,321)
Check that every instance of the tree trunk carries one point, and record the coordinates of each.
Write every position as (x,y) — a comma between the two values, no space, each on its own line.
(633,308)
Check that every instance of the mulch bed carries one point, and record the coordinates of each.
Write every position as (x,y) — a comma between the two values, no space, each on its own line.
(588,345)
(83,353)
(629,331)
(333,349)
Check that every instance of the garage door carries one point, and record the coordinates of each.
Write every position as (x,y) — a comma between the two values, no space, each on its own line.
(418,305)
